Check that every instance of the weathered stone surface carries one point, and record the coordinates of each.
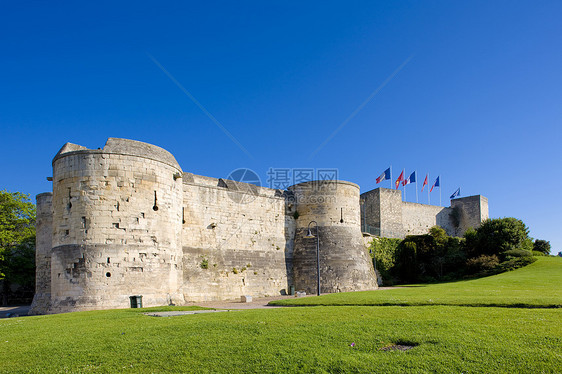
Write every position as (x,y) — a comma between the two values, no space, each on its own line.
(344,262)
(126,220)
(385,214)
(44,226)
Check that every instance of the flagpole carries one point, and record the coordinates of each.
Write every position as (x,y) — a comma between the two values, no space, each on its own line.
(416,176)
(403,185)
(390,176)
(440,188)
(428,197)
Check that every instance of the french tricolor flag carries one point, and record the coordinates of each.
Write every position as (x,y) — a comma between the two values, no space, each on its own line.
(410,179)
(384,176)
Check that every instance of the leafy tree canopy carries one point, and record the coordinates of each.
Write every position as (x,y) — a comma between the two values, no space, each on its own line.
(17,226)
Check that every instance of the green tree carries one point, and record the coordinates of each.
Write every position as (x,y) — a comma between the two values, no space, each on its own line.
(496,236)
(542,246)
(17,238)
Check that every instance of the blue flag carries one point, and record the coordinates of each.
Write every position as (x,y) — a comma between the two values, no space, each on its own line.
(456,193)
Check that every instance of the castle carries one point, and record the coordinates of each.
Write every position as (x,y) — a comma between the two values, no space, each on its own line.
(127,220)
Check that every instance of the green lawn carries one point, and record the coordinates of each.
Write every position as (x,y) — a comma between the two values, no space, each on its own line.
(451,339)
(536,285)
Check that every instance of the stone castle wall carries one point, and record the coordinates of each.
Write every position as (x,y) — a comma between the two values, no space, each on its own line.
(419,218)
(385,214)
(43,245)
(237,240)
(344,262)
(126,220)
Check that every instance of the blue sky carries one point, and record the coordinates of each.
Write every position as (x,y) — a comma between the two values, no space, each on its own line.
(471,91)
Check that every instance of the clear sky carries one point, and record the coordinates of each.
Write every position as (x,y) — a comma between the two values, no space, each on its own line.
(470,91)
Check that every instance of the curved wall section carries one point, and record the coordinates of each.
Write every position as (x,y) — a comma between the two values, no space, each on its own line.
(344,262)
(117,226)
(43,244)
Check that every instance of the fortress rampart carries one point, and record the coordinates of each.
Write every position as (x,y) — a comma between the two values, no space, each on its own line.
(385,214)
(126,220)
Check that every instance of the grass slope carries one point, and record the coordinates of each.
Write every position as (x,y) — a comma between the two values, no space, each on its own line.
(535,285)
(314,339)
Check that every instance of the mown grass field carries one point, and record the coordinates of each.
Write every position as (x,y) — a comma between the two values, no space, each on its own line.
(335,339)
(536,285)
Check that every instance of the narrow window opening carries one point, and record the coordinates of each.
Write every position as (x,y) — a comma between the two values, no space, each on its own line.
(117,206)
(83,222)
(182,215)
(155,207)
(108,274)
(116,225)
(69,199)
(108,260)
(66,232)
(142,215)
(341,219)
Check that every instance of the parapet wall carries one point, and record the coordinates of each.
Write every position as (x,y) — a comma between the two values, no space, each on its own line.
(237,240)
(385,214)
(417,219)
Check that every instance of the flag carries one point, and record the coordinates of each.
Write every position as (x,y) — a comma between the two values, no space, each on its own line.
(384,176)
(410,179)
(400,179)
(435,184)
(425,181)
(456,193)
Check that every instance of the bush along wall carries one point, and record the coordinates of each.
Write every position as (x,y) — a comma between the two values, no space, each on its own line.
(498,245)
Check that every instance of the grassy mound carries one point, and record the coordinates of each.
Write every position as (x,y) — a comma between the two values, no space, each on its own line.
(537,285)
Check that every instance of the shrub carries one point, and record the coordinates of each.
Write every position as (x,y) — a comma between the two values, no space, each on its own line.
(537,253)
(515,263)
(482,263)
(515,253)
(384,251)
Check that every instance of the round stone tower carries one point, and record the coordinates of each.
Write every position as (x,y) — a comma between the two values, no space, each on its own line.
(43,227)
(117,216)
(344,262)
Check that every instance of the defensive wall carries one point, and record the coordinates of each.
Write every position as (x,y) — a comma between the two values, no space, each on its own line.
(385,214)
(127,220)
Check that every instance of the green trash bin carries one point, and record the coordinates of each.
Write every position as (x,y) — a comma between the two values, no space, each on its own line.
(136,301)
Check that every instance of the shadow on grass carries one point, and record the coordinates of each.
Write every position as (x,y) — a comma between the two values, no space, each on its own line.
(475,305)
